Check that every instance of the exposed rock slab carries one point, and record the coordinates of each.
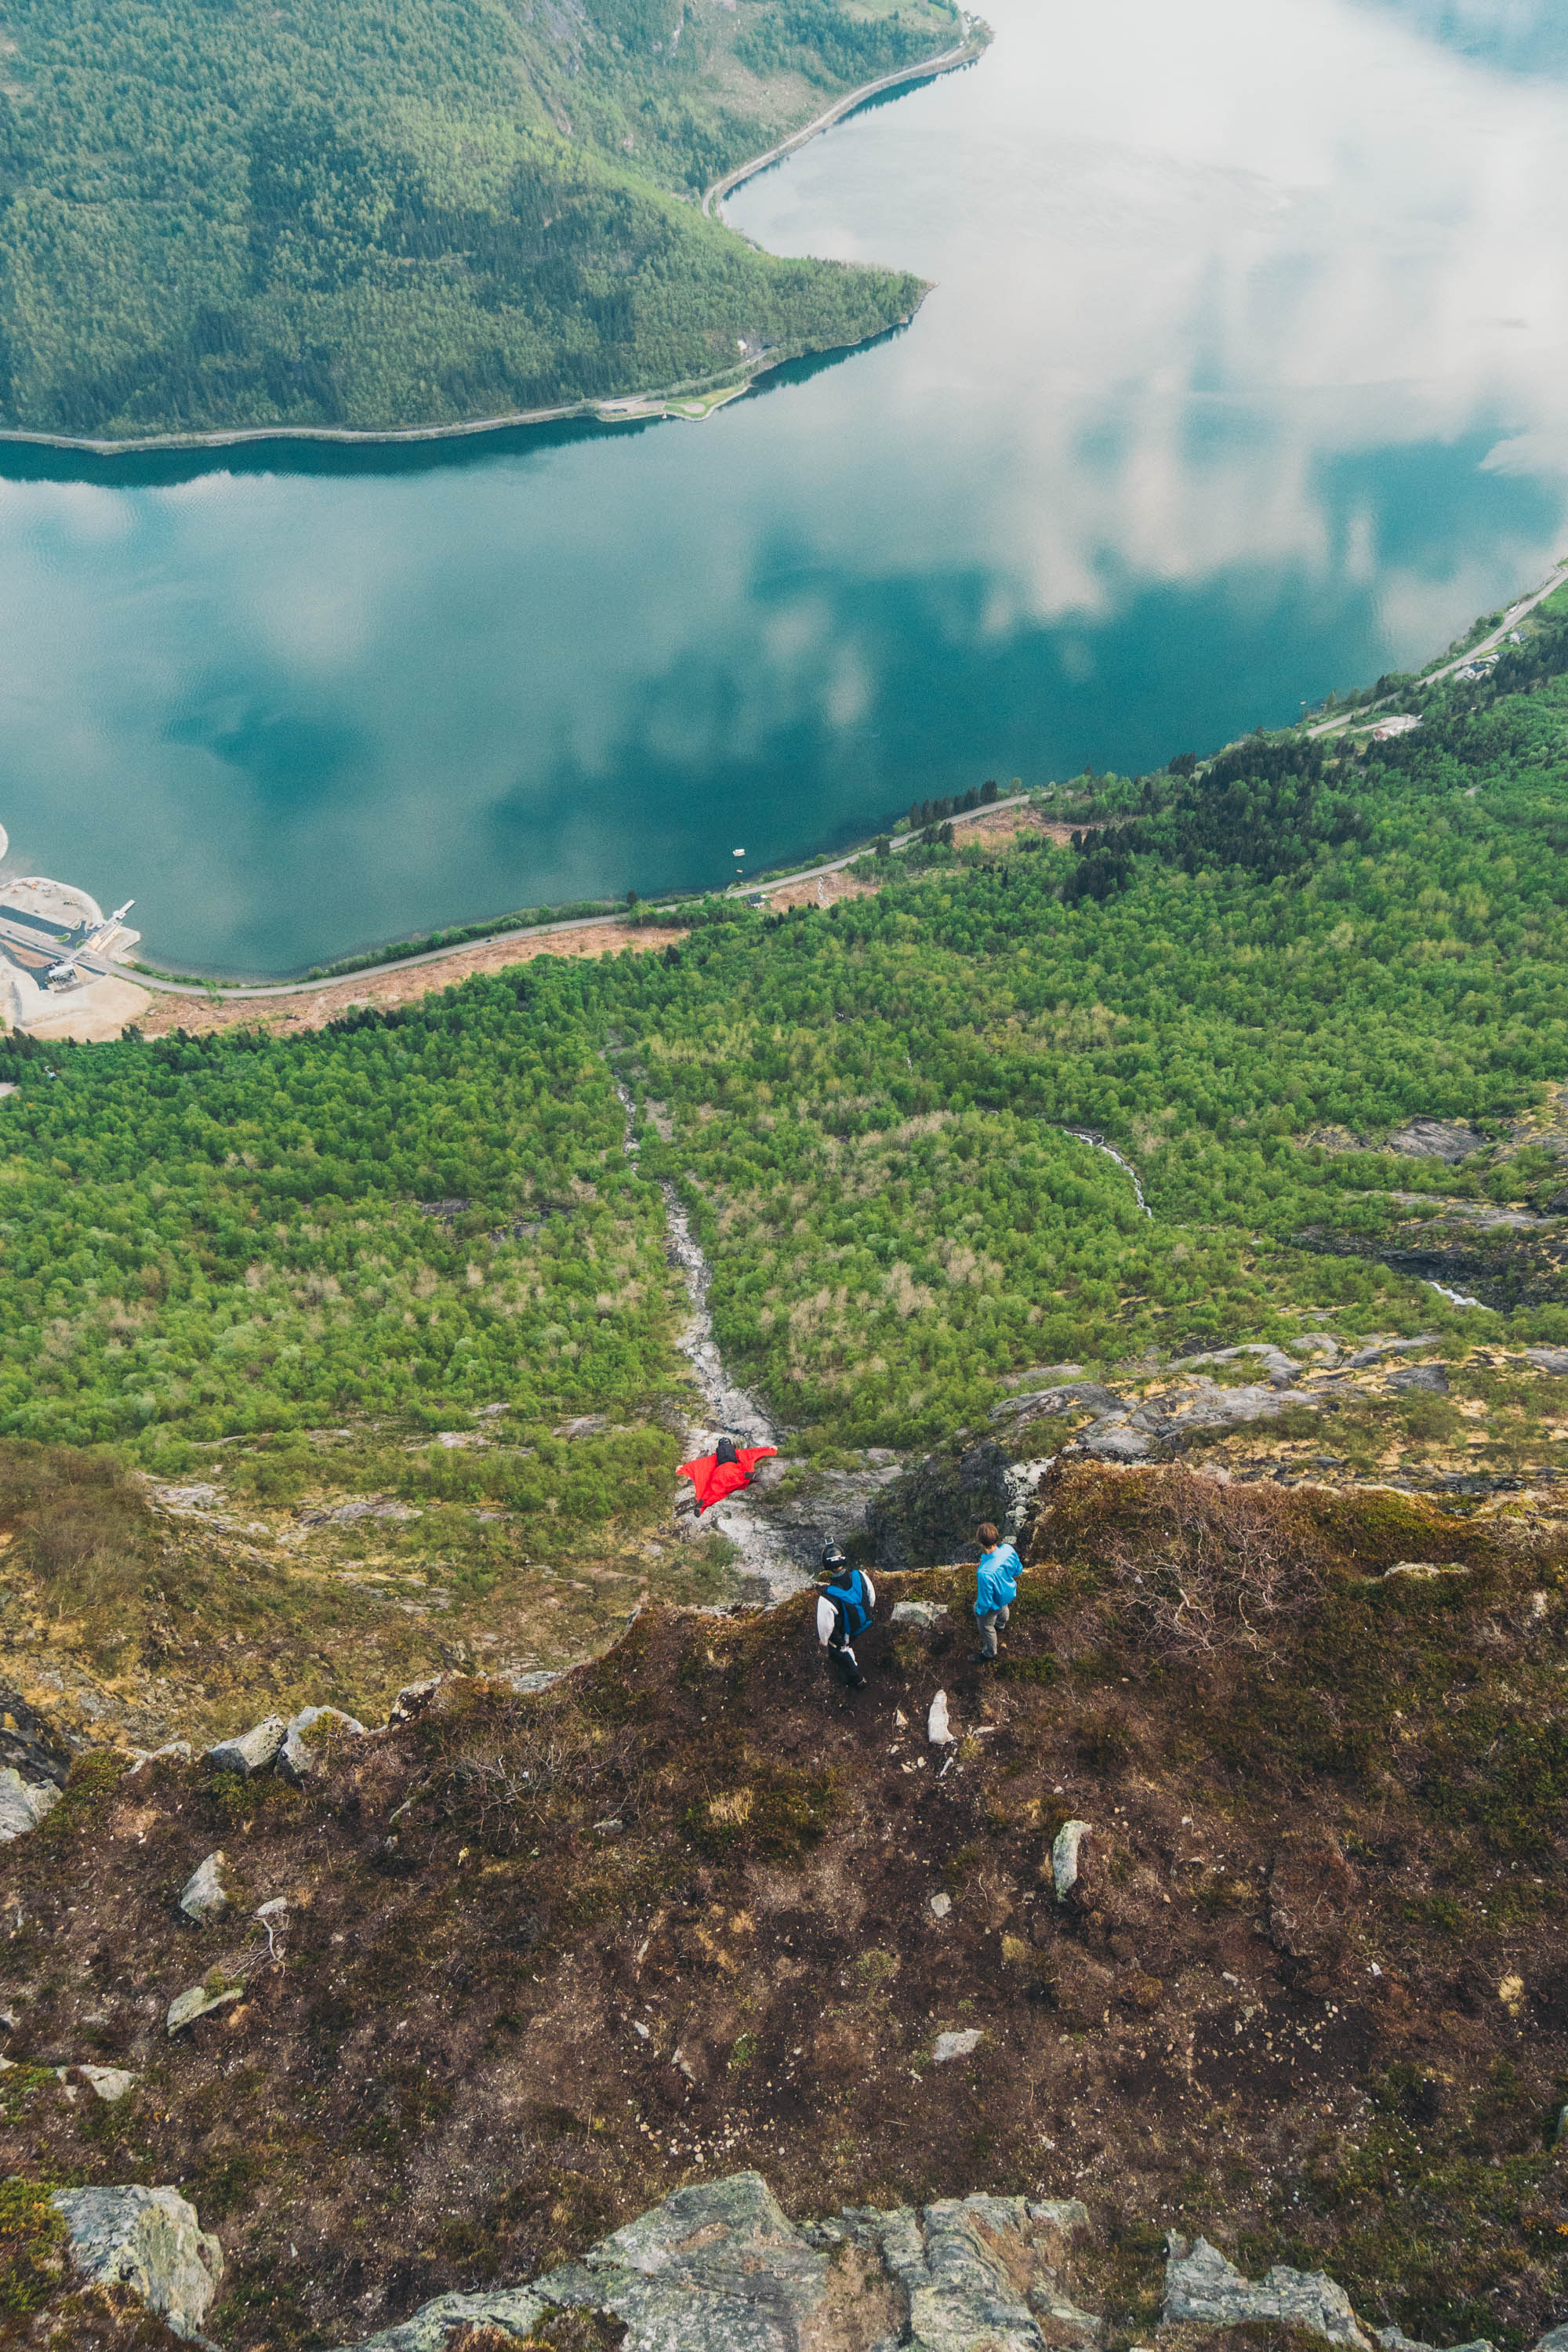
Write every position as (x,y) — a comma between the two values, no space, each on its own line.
(1435,1138)
(509,2310)
(931,1513)
(148,2240)
(1201,2284)
(23,1803)
(720,2267)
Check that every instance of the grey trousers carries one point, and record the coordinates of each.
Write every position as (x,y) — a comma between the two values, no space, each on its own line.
(990,1622)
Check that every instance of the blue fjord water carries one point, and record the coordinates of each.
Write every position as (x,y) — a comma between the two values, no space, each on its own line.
(1243,378)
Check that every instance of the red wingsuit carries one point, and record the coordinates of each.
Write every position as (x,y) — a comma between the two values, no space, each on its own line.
(714,1479)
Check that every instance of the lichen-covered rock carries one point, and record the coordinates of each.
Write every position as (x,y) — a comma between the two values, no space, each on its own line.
(203,1897)
(23,1803)
(716,2268)
(199,2001)
(1201,2284)
(960,2043)
(297,1755)
(253,1750)
(919,1613)
(1068,1857)
(148,2240)
(509,2310)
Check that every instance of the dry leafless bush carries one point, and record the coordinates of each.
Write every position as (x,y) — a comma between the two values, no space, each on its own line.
(1203,1568)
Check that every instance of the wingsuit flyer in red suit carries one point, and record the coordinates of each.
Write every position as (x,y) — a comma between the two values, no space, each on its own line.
(723,1472)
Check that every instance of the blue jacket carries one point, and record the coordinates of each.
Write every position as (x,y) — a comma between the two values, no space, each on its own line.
(996,1579)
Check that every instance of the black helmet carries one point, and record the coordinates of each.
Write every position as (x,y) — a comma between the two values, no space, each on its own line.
(832,1559)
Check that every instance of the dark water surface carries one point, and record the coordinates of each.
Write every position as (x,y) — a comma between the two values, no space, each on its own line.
(1244,378)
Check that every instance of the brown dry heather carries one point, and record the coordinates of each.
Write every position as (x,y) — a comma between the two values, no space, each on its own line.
(551,1956)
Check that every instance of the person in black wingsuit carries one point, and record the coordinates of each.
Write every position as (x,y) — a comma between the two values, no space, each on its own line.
(843,1609)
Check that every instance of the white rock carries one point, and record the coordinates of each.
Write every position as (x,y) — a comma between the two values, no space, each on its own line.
(956,2045)
(937,1729)
(254,1750)
(186,2007)
(108,2082)
(148,2240)
(1064,1853)
(918,1613)
(941,1905)
(296,1756)
(180,1749)
(23,1803)
(203,1895)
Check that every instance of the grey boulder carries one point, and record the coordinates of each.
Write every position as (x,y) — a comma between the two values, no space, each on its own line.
(148,2240)
(23,1803)
(716,2268)
(200,2000)
(509,2310)
(297,1755)
(203,1896)
(254,1750)
(1200,2285)
(918,1613)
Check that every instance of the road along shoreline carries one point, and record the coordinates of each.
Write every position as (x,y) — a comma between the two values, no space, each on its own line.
(160,985)
(976,38)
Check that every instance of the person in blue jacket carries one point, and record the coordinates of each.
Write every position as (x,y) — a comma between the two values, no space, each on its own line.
(995,1589)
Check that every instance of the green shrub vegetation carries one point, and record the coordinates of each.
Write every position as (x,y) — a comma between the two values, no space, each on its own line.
(404,1218)
(376,214)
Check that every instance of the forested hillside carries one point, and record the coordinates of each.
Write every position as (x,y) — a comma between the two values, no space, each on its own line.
(1247,979)
(386,214)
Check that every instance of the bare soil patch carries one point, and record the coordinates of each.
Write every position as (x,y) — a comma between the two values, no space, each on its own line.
(393,985)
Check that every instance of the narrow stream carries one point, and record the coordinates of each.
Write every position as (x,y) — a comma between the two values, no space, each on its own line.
(731,1410)
(1098,1143)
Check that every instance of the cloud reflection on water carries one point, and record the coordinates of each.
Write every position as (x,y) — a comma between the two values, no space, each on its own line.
(1243,376)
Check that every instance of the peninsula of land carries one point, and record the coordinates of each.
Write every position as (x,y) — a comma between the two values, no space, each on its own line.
(383,223)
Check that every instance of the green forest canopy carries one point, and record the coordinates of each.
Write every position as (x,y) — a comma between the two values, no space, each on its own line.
(866,1109)
(217,214)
